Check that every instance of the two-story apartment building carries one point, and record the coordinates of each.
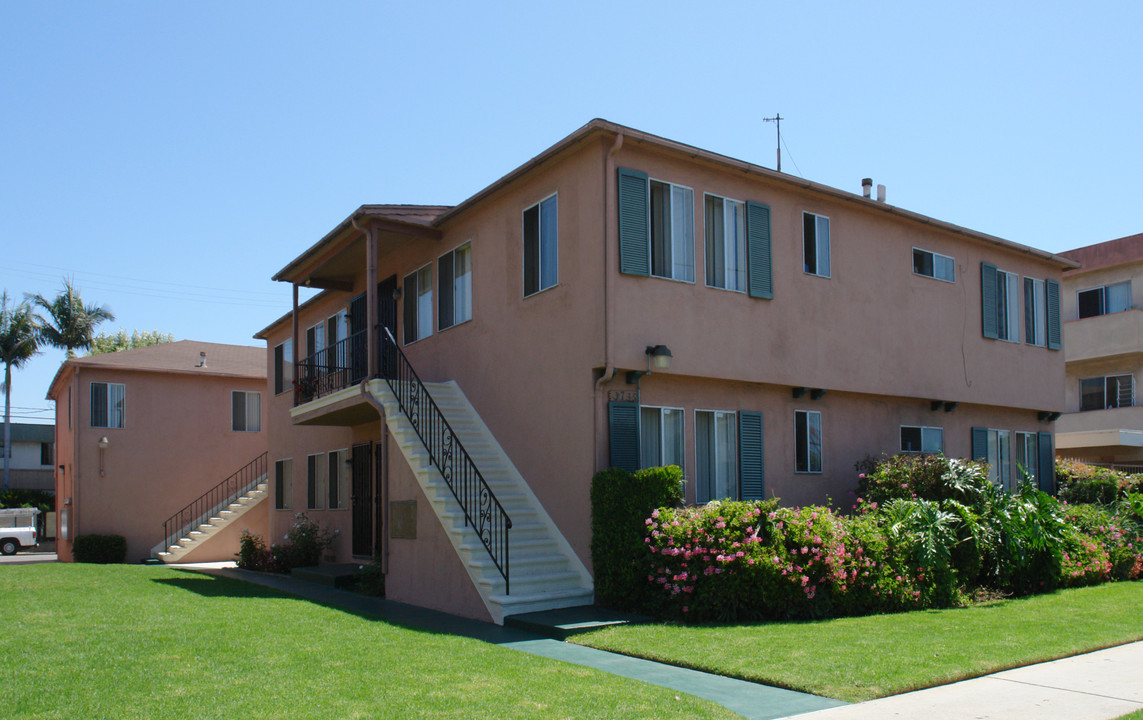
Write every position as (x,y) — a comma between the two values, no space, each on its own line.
(626,300)
(33,450)
(1103,332)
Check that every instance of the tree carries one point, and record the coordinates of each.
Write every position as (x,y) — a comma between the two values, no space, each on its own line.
(104,343)
(70,323)
(19,342)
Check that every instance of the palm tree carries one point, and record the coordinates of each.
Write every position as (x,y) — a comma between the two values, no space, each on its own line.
(19,341)
(70,324)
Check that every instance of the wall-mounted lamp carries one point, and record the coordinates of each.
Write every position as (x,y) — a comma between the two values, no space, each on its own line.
(936,405)
(103,443)
(799,391)
(658,357)
(816,394)
(396,295)
(1046,416)
(950,406)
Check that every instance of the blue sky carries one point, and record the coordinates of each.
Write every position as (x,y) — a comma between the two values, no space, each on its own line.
(171,156)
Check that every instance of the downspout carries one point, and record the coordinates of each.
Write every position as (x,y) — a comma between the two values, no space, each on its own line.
(609,250)
(384,473)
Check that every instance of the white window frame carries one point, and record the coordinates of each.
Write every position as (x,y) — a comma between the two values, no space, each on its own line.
(1000,457)
(342,479)
(318,329)
(316,481)
(422,304)
(459,287)
(545,249)
(810,470)
(819,245)
(1008,321)
(1105,296)
(1036,332)
(284,372)
(734,277)
(926,431)
(729,448)
(933,264)
(250,397)
(122,411)
(687,234)
(662,460)
(1031,464)
(1104,404)
(284,496)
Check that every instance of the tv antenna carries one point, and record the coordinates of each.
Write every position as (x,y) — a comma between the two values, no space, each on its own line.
(777,120)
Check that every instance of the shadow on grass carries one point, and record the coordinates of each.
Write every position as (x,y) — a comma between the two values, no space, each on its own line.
(209,586)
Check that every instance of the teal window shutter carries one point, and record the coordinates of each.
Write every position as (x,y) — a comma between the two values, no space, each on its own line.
(751,470)
(623,425)
(1046,478)
(634,223)
(758,260)
(988,299)
(1052,295)
(980,444)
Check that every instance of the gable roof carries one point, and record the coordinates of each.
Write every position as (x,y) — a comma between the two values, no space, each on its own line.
(181,357)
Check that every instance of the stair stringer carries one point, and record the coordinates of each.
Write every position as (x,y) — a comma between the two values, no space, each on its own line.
(194,535)
(574,587)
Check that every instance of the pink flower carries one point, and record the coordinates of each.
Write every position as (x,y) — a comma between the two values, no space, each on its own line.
(655,514)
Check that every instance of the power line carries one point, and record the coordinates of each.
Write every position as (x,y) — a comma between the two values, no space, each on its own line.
(163,283)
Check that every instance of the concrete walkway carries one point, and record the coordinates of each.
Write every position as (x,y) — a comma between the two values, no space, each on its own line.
(1097,686)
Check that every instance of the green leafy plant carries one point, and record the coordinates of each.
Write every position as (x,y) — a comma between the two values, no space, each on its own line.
(253,553)
(99,549)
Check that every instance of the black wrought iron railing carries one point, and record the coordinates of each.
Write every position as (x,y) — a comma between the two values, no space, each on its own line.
(481,509)
(214,500)
(332,368)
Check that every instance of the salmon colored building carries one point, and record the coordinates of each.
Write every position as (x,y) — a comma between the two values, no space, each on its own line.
(626,300)
(1103,332)
(164,445)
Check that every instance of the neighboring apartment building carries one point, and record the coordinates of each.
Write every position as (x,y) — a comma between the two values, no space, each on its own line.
(33,447)
(626,300)
(1103,332)
(143,433)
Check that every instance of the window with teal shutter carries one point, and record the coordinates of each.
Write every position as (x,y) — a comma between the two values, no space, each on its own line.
(758,262)
(980,444)
(751,468)
(623,432)
(1055,337)
(1047,478)
(634,225)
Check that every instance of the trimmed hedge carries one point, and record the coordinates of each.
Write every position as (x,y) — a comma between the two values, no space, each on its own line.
(101,549)
(620,502)
(1078,482)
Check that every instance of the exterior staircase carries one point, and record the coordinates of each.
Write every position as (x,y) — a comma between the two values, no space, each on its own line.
(545,573)
(217,508)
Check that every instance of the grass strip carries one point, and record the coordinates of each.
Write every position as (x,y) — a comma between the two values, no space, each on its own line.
(856,659)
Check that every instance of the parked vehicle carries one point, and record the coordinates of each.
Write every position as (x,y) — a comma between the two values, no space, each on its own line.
(18,530)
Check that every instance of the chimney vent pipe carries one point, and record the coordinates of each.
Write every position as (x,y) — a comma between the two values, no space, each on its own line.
(880,193)
(866,187)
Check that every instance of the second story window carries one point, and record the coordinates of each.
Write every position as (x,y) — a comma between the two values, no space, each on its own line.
(454,273)
(815,244)
(1000,303)
(283,367)
(246,411)
(108,404)
(725,223)
(418,299)
(672,231)
(1113,391)
(934,265)
(1035,312)
(541,246)
(1104,300)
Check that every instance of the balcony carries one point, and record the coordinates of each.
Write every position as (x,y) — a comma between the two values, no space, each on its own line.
(325,389)
(1115,430)
(1105,337)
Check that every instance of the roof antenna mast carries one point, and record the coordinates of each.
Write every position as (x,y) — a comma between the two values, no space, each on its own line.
(777,120)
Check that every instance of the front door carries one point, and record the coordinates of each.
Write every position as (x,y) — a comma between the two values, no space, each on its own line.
(362,503)
(387,318)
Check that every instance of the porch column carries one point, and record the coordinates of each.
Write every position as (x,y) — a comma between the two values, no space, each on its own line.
(294,343)
(373,334)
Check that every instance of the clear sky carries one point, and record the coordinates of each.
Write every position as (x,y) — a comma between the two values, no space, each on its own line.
(171,156)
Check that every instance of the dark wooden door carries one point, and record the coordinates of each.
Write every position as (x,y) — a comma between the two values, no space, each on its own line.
(362,502)
(386,318)
(358,347)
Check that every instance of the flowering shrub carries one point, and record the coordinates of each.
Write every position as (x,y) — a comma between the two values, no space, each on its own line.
(303,546)
(1118,538)
(1084,562)
(253,553)
(1078,482)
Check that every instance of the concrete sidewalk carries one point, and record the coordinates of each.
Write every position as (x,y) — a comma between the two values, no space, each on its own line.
(1097,686)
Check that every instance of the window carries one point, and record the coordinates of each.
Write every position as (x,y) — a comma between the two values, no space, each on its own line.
(725,222)
(716,455)
(1000,304)
(246,411)
(45,453)
(454,271)
(283,367)
(336,330)
(672,231)
(315,481)
(338,479)
(1035,312)
(815,243)
(315,339)
(108,403)
(283,484)
(934,265)
(807,441)
(660,437)
(418,297)
(922,439)
(995,448)
(1113,391)
(541,264)
(1104,300)
(1028,454)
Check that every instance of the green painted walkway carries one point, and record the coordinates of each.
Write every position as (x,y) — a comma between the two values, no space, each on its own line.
(750,700)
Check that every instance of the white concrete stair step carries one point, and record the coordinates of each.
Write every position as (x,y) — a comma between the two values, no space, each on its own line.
(533,582)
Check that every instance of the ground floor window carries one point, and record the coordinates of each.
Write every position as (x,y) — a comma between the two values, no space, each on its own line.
(283,483)
(920,439)
(315,481)
(1028,455)
(1000,458)
(807,441)
(338,479)
(660,436)
(716,455)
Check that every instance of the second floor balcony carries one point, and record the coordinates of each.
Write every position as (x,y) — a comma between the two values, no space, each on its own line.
(1105,337)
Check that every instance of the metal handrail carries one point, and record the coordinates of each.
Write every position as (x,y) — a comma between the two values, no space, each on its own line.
(334,367)
(481,508)
(213,500)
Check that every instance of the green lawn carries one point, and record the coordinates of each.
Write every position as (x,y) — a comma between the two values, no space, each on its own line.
(130,641)
(862,658)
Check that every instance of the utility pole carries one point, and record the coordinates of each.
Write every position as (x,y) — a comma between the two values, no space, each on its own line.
(777,120)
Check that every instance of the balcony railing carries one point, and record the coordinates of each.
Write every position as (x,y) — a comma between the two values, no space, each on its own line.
(332,368)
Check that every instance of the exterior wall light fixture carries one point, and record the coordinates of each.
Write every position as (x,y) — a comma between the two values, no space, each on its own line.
(799,392)
(950,406)
(658,357)
(817,393)
(103,443)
